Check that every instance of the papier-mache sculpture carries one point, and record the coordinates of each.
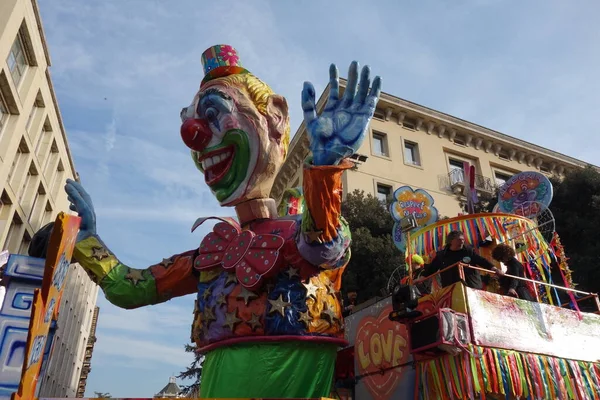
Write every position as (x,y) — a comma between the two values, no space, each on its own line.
(268,315)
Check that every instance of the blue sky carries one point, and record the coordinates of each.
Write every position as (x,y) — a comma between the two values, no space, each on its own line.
(124,69)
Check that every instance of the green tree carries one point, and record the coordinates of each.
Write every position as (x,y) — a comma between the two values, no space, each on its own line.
(576,209)
(374,255)
(192,372)
(102,395)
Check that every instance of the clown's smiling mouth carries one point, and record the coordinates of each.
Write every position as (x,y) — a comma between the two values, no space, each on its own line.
(216,164)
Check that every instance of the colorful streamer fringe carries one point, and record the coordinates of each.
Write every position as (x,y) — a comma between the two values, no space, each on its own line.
(485,371)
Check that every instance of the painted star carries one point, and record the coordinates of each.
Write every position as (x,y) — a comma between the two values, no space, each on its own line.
(231,320)
(279,305)
(330,290)
(208,316)
(231,278)
(206,294)
(135,276)
(100,253)
(221,299)
(254,322)
(329,314)
(166,262)
(305,317)
(314,236)
(246,295)
(311,290)
(291,272)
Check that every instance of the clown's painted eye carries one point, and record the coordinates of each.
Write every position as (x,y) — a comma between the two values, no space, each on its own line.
(211,113)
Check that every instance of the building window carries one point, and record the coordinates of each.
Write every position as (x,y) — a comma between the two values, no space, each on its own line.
(13,239)
(3,112)
(409,123)
(384,193)
(17,60)
(501,178)
(24,247)
(411,153)
(503,155)
(457,171)
(380,146)
(460,140)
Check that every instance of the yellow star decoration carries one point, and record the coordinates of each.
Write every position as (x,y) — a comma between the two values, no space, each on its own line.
(292,272)
(311,290)
(208,316)
(246,295)
(231,278)
(314,236)
(254,322)
(231,320)
(99,253)
(166,262)
(135,276)
(279,305)
(329,314)
(206,294)
(221,299)
(304,317)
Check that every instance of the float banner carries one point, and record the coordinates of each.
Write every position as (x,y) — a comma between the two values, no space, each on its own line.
(534,327)
(380,343)
(58,259)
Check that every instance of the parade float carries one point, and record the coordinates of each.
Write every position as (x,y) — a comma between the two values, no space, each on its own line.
(464,343)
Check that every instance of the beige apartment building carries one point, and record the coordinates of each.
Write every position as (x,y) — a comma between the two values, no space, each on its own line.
(412,145)
(35,161)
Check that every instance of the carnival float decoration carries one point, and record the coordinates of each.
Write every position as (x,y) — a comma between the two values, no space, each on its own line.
(268,287)
(455,342)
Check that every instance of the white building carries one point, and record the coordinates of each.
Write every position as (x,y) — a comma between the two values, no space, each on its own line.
(61,378)
(35,161)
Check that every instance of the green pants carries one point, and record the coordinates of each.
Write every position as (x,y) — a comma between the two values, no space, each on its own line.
(269,370)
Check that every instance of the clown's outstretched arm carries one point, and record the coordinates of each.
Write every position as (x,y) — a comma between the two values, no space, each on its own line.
(334,135)
(123,286)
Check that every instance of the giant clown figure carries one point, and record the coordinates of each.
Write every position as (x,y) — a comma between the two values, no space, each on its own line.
(268,315)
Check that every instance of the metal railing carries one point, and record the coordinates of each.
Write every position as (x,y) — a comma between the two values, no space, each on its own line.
(461,267)
(457,177)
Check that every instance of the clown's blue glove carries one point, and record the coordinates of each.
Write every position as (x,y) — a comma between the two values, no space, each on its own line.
(81,202)
(340,129)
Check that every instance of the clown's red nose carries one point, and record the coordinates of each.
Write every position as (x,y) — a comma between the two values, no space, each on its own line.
(196,134)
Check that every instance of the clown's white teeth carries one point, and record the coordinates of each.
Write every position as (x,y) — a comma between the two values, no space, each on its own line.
(209,162)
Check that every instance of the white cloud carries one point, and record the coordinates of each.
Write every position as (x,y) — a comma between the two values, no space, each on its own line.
(165,316)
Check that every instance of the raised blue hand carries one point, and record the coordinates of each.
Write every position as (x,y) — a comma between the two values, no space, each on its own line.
(340,129)
(81,202)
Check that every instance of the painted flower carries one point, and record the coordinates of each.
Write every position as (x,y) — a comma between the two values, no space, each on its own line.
(228,54)
(210,64)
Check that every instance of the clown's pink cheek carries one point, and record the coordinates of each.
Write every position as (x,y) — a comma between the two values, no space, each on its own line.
(229,123)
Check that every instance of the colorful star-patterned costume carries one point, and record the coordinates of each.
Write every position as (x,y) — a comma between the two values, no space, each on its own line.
(268,315)
(295,301)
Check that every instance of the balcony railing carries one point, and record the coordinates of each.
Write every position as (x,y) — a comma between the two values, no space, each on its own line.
(455,181)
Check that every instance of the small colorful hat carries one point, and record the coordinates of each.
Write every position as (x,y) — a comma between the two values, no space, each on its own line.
(219,61)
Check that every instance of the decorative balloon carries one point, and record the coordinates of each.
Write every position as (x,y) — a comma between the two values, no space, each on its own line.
(531,189)
(417,203)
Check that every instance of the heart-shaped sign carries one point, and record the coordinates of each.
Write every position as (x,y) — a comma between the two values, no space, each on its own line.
(380,344)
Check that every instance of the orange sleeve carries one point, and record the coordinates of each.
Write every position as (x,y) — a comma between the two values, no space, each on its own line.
(322,186)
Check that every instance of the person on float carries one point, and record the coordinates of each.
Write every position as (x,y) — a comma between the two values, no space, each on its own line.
(512,287)
(418,267)
(267,315)
(455,251)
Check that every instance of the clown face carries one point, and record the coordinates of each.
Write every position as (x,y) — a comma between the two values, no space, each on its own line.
(238,137)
